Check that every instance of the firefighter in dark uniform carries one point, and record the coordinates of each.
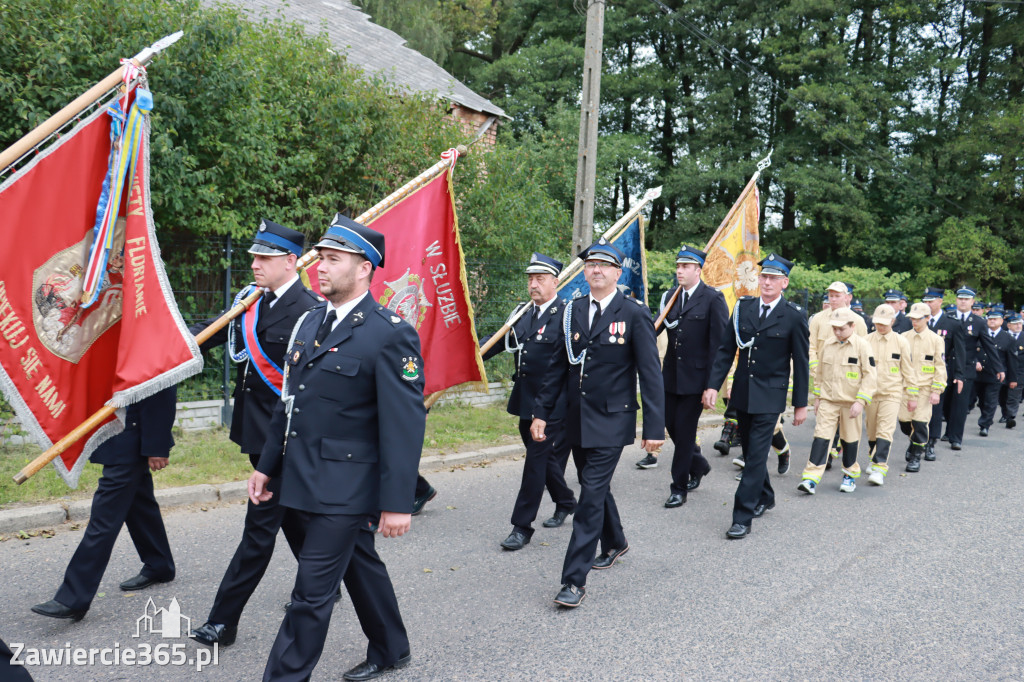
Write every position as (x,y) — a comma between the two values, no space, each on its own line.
(345,443)
(609,342)
(534,339)
(772,337)
(953,335)
(258,341)
(895,298)
(975,341)
(994,369)
(1014,388)
(124,496)
(694,326)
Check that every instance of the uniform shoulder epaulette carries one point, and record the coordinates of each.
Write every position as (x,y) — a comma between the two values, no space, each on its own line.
(638,302)
(388,315)
(316,298)
(794,305)
(746,298)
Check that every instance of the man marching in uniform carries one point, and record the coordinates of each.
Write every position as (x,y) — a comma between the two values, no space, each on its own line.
(895,300)
(1016,364)
(892,357)
(609,342)
(345,442)
(535,338)
(263,331)
(958,394)
(952,334)
(844,383)
(925,383)
(771,336)
(694,326)
(993,372)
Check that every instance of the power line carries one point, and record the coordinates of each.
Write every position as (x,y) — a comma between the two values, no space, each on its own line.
(754,71)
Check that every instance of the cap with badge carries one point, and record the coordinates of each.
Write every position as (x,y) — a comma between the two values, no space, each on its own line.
(919,310)
(932,293)
(841,317)
(838,287)
(977,305)
(995,314)
(893,295)
(776,265)
(849,287)
(543,265)
(884,314)
(1012,318)
(966,292)
(345,234)
(857,305)
(603,251)
(276,240)
(689,254)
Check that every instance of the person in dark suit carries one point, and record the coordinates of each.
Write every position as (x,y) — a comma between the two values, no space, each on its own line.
(124,496)
(262,332)
(345,444)
(1016,366)
(958,393)
(952,334)
(772,337)
(534,339)
(994,370)
(902,323)
(694,325)
(610,342)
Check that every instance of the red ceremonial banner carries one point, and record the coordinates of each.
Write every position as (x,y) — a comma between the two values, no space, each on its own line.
(424,282)
(60,362)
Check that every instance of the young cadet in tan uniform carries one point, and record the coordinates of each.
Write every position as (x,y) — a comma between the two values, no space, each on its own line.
(893,369)
(925,383)
(844,383)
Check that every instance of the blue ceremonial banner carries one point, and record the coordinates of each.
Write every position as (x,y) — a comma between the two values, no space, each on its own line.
(633,281)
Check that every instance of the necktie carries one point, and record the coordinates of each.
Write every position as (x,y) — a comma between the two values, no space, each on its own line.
(596,316)
(266,300)
(764,312)
(325,328)
(686,298)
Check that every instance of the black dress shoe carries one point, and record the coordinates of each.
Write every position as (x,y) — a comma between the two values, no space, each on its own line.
(141,582)
(517,539)
(54,609)
(675,500)
(1011,422)
(694,481)
(608,559)
(418,504)
(737,531)
(983,432)
(760,509)
(215,633)
(570,596)
(929,454)
(955,445)
(557,519)
(369,671)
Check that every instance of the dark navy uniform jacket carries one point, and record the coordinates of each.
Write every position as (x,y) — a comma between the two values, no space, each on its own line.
(357,421)
(601,400)
(977,344)
(902,323)
(693,342)
(254,400)
(540,340)
(147,431)
(951,331)
(1015,358)
(995,357)
(762,372)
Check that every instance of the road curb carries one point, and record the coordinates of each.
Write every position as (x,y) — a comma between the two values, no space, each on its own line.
(50,514)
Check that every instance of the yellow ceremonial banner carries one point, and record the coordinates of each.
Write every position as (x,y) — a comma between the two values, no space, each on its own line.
(733,251)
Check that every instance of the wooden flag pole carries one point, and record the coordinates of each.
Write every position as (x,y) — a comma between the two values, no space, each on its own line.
(725,223)
(80,104)
(567,274)
(307,259)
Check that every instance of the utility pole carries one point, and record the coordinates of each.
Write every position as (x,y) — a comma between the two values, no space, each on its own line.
(586,168)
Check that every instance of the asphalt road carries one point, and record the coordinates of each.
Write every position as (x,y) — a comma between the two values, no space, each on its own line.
(918,580)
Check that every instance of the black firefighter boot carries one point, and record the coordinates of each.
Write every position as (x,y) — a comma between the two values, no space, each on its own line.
(725,441)
(929,450)
(914,457)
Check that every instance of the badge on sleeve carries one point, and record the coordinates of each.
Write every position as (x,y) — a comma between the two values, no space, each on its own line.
(411,368)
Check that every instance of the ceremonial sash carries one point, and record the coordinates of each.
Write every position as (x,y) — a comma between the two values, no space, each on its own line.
(267,369)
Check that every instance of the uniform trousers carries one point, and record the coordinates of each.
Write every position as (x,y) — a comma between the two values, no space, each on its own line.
(880,417)
(1013,396)
(254,551)
(597,517)
(958,412)
(544,466)
(755,486)
(682,416)
(834,417)
(124,496)
(337,546)
(988,401)
(938,412)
